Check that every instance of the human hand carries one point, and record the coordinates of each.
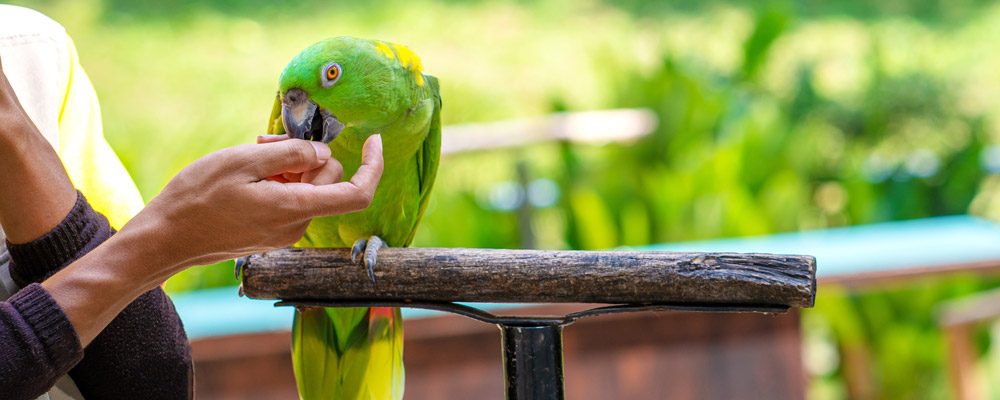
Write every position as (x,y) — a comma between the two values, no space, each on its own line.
(224,205)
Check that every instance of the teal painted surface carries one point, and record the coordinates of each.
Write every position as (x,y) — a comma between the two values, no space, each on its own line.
(841,251)
(875,247)
(220,312)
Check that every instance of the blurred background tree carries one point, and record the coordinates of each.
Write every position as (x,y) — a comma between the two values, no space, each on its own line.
(774,116)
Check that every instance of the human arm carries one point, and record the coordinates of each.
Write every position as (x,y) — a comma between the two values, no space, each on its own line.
(220,207)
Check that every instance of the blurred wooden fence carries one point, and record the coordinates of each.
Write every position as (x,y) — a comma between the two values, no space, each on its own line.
(959,319)
(594,127)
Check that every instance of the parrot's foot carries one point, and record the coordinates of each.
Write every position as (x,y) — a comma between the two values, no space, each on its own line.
(370,246)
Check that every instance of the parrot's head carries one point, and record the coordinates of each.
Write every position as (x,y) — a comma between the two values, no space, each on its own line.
(346,82)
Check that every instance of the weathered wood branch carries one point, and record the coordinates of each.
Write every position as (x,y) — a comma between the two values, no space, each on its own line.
(534,276)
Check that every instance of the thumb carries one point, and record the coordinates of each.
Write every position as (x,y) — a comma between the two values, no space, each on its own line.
(292,155)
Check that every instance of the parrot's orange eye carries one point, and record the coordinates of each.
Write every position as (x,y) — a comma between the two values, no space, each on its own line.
(330,74)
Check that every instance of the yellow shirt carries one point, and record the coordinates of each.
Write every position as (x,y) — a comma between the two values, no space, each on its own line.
(92,165)
(41,63)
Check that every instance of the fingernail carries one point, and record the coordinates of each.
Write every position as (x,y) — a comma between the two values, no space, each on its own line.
(322,150)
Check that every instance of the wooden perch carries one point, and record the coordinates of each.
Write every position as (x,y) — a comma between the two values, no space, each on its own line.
(534,276)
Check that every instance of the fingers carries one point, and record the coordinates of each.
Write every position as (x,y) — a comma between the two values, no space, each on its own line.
(335,199)
(270,138)
(277,157)
(370,171)
(329,173)
(286,176)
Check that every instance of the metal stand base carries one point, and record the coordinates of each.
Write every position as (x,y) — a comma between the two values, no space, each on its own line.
(532,345)
(532,361)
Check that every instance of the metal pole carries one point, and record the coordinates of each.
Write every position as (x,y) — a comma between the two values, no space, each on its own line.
(525,210)
(532,361)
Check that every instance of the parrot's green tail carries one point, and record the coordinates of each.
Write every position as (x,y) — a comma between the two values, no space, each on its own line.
(348,353)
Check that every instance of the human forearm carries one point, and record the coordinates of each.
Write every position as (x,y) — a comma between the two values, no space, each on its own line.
(98,286)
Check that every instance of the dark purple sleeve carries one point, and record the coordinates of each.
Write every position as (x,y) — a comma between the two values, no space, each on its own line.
(37,343)
(144,352)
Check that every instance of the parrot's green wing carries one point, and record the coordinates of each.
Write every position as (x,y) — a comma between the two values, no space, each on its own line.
(428,157)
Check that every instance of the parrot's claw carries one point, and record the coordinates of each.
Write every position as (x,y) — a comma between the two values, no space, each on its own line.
(375,243)
(240,264)
(359,246)
(370,248)
(241,291)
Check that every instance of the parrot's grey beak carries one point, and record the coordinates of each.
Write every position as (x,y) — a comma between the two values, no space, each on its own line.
(302,119)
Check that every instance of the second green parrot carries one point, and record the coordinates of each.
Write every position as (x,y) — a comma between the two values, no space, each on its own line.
(341,91)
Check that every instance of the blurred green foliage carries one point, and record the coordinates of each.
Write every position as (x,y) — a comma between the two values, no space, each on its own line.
(888,340)
(774,116)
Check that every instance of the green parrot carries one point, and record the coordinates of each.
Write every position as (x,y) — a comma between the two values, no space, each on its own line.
(341,91)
